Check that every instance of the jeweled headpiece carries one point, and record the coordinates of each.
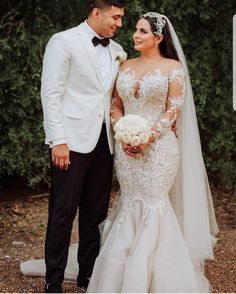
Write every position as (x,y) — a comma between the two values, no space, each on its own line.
(160,21)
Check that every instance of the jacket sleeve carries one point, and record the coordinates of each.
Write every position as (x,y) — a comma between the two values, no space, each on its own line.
(56,64)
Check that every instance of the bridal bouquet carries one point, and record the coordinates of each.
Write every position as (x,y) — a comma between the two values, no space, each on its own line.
(132,129)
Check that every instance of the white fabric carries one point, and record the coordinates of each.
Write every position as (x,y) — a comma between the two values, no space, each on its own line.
(37,268)
(58,142)
(143,247)
(145,257)
(73,94)
(103,54)
(105,62)
(191,195)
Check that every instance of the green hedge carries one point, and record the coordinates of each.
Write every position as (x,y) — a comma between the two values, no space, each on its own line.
(205,30)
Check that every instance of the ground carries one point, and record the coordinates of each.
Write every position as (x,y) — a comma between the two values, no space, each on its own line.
(23,217)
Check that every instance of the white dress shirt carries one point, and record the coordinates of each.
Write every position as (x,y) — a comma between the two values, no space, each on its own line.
(104,58)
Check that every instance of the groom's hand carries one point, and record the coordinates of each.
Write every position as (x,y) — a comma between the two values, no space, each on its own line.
(60,156)
(174,129)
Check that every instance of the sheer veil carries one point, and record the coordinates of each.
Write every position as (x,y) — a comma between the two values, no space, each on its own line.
(190,195)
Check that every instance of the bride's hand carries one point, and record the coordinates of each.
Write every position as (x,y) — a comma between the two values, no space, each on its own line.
(142,147)
(136,151)
(131,151)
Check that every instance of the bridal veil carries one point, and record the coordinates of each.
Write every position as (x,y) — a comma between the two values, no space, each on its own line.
(190,195)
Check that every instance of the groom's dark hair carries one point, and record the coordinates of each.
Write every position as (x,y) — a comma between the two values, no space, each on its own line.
(101,4)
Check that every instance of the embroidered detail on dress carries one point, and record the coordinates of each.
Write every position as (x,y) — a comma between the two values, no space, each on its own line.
(127,206)
(149,178)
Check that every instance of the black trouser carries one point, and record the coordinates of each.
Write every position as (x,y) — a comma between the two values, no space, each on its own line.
(86,184)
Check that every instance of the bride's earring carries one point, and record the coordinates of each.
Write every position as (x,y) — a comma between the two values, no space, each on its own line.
(156,44)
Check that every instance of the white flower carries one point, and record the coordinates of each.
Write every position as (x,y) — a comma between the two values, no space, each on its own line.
(132,129)
(135,141)
(118,137)
(143,138)
(126,137)
(121,56)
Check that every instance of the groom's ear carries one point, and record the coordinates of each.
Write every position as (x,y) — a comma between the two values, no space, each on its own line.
(95,12)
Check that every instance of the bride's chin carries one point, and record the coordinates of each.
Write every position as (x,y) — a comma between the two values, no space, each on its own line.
(137,48)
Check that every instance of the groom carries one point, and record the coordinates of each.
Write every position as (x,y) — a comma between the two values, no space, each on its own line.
(79,71)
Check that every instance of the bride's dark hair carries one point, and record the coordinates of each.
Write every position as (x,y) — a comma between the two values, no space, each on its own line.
(166,46)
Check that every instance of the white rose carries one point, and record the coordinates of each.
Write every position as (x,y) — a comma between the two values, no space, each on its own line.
(143,138)
(126,137)
(118,137)
(121,56)
(135,141)
(133,131)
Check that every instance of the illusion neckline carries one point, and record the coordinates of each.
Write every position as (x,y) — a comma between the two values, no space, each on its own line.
(149,73)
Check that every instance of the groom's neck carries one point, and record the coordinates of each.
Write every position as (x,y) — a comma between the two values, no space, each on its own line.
(95,27)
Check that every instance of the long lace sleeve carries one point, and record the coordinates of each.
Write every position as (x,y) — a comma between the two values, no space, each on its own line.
(117,109)
(175,101)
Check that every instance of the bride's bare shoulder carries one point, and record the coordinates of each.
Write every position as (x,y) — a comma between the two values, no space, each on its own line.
(128,63)
(172,63)
(169,64)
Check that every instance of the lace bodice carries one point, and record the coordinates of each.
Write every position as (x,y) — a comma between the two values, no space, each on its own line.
(157,96)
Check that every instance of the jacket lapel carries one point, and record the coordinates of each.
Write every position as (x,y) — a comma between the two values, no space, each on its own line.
(91,52)
(114,62)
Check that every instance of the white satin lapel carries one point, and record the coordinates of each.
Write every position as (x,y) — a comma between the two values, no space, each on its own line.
(91,52)
(115,64)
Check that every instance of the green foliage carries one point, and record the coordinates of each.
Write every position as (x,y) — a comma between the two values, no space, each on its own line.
(205,31)
(22,150)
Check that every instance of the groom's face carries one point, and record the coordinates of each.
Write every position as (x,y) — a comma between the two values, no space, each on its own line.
(108,21)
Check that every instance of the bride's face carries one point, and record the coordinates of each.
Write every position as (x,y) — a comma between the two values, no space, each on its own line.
(144,39)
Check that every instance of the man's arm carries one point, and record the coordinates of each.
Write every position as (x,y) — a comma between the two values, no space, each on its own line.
(56,65)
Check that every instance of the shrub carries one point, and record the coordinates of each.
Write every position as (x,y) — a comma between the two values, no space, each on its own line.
(205,31)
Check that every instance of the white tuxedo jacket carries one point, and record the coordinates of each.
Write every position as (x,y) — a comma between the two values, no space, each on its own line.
(72,92)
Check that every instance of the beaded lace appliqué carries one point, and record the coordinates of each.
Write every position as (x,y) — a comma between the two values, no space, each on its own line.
(149,178)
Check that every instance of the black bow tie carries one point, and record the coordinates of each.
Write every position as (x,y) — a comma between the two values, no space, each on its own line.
(104,42)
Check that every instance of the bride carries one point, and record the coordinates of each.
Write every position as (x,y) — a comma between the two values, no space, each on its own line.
(163,226)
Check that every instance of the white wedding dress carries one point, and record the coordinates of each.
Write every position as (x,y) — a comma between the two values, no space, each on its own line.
(143,249)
